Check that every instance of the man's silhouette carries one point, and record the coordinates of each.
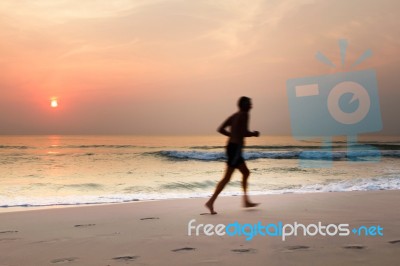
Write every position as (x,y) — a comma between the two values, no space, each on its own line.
(238,123)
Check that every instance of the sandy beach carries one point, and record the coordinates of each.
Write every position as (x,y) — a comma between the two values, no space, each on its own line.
(156,233)
(125,124)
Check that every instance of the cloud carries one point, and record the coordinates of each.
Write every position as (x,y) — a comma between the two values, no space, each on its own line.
(204,53)
(60,11)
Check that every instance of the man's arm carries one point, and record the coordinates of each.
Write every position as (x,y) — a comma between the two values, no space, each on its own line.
(245,126)
(222,127)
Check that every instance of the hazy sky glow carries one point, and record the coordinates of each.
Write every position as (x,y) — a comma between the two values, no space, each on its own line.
(178,67)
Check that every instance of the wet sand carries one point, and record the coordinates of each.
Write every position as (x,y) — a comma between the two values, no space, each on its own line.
(156,232)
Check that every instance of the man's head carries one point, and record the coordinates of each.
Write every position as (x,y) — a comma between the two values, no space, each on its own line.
(244,103)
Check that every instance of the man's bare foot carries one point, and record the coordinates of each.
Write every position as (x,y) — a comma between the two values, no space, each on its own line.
(248,204)
(210,207)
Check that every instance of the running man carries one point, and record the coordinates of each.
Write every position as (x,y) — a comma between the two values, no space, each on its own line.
(238,123)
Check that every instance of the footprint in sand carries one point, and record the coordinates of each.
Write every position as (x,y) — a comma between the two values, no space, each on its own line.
(183,249)
(9,232)
(394,242)
(125,258)
(298,247)
(149,218)
(49,241)
(9,239)
(84,225)
(208,213)
(354,247)
(244,250)
(63,260)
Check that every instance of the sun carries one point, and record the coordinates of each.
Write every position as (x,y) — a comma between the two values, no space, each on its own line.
(54,103)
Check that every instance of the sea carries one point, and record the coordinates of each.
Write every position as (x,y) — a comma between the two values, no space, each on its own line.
(57,170)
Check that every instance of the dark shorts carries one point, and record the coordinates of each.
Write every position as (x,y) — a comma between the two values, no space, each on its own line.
(234,154)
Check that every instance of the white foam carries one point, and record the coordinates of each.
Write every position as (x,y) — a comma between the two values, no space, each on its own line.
(359,184)
(251,155)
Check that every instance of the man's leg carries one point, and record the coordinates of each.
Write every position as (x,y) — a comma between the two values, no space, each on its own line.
(219,188)
(245,172)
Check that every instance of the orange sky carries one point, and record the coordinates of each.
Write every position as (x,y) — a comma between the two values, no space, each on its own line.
(178,67)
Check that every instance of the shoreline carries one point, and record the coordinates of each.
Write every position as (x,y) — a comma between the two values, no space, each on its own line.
(131,232)
(239,194)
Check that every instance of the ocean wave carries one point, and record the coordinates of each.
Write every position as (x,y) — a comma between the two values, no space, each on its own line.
(335,146)
(83,186)
(253,155)
(63,201)
(332,185)
(358,184)
(15,147)
(189,155)
(197,190)
(195,185)
(263,147)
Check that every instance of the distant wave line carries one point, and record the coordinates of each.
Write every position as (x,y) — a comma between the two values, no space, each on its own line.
(253,155)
